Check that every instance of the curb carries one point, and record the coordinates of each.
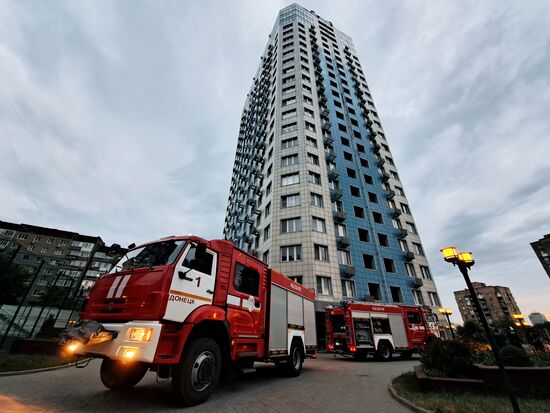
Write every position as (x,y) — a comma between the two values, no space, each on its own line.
(407,402)
(22,372)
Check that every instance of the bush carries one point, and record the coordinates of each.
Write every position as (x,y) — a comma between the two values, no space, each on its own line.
(515,357)
(451,358)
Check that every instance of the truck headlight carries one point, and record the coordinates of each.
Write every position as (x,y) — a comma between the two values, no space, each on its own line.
(142,335)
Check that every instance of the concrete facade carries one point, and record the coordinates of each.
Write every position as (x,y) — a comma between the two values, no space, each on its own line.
(496,301)
(542,249)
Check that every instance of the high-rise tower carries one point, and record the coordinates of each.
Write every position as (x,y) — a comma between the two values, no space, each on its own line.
(315,192)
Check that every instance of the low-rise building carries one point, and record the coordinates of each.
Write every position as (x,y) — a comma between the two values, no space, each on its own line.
(537,318)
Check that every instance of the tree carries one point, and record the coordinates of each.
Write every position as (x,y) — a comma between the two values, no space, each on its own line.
(471,331)
(13,282)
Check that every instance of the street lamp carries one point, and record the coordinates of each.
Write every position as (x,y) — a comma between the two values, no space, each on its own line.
(448,312)
(464,261)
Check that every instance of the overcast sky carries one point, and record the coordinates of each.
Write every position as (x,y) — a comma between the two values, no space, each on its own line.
(120,119)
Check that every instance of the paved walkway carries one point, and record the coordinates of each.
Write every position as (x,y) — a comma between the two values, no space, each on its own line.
(326,385)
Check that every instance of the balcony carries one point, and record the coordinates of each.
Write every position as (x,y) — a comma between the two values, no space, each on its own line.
(342,241)
(347,271)
(326,125)
(391,194)
(327,139)
(385,176)
(339,216)
(409,256)
(336,193)
(403,233)
(396,212)
(332,174)
(330,155)
(381,162)
(324,112)
(417,282)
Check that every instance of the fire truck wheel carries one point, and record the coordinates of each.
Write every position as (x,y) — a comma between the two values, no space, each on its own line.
(119,376)
(198,372)
(384,352)
(293,366)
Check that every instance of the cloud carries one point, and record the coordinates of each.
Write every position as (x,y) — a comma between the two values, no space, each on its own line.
(122,121)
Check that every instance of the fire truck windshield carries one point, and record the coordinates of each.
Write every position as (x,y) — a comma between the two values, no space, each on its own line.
(151,255)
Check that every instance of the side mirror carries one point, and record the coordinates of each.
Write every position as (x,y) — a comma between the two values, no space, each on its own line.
(132,245)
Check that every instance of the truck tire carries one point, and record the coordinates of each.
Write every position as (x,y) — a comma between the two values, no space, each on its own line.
(117,375)
(198,372)
(293,365)
(384,351)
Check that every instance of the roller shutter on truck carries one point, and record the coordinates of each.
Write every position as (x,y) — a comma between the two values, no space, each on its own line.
(290,311)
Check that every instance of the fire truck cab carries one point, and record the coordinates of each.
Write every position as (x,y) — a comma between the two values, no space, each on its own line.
(186,307)
(359,329)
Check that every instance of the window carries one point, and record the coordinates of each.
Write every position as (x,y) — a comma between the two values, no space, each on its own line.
(289,101)
(311,141)
(309,112)
(291,225)
(399,190)
(345,141)
(354,191)
(267,232)
(289,160)
(405,209)
(30,248)
(267,210)
(324,285)
(313,159)
(434,299)
(318,225)
(368,179)
(418,248)
(247,280)
(314,178)
(289,114)
(289,143)
(290,179)
(396,224)
(396,294)
(309,126)
(381,326)
(425,272)
(383,240)
(320,252)
(289,201)
(58,252)
(389,265)
(410,269)
(291,127)
(348,156)
(403,245)
(4,243)
(348,288)
(265,257)
(8,233)
(363,235)
(417,297)
(197,258)
(377,217)
(22,236)
(359,212)
(340,230)
(268,189)
(374,291)
(289,89)
(297,278)
(373,198)
(351,173)
(412,228)
(368,261)
(316,200)
(291,253)
(344,257)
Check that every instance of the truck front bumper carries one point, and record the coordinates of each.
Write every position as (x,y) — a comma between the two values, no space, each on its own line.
(121,347)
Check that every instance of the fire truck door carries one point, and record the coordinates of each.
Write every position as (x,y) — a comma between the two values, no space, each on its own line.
(245,301)
(415,328)
(193,282)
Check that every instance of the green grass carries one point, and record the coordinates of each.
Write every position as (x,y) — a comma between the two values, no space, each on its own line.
(407,387)
(17,362)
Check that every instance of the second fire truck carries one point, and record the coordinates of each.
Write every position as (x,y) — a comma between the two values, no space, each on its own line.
(359,329)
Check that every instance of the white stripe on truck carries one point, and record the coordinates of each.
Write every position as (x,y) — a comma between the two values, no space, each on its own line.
(113,287)
(122,285)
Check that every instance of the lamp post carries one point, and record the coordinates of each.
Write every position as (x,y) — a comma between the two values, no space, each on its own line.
(448,312)
(465,260)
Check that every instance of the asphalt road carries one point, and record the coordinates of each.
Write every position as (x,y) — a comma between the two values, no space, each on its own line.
(326,385)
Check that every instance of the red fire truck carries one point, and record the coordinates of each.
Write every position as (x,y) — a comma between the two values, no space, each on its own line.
(185,307)
(358,329)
